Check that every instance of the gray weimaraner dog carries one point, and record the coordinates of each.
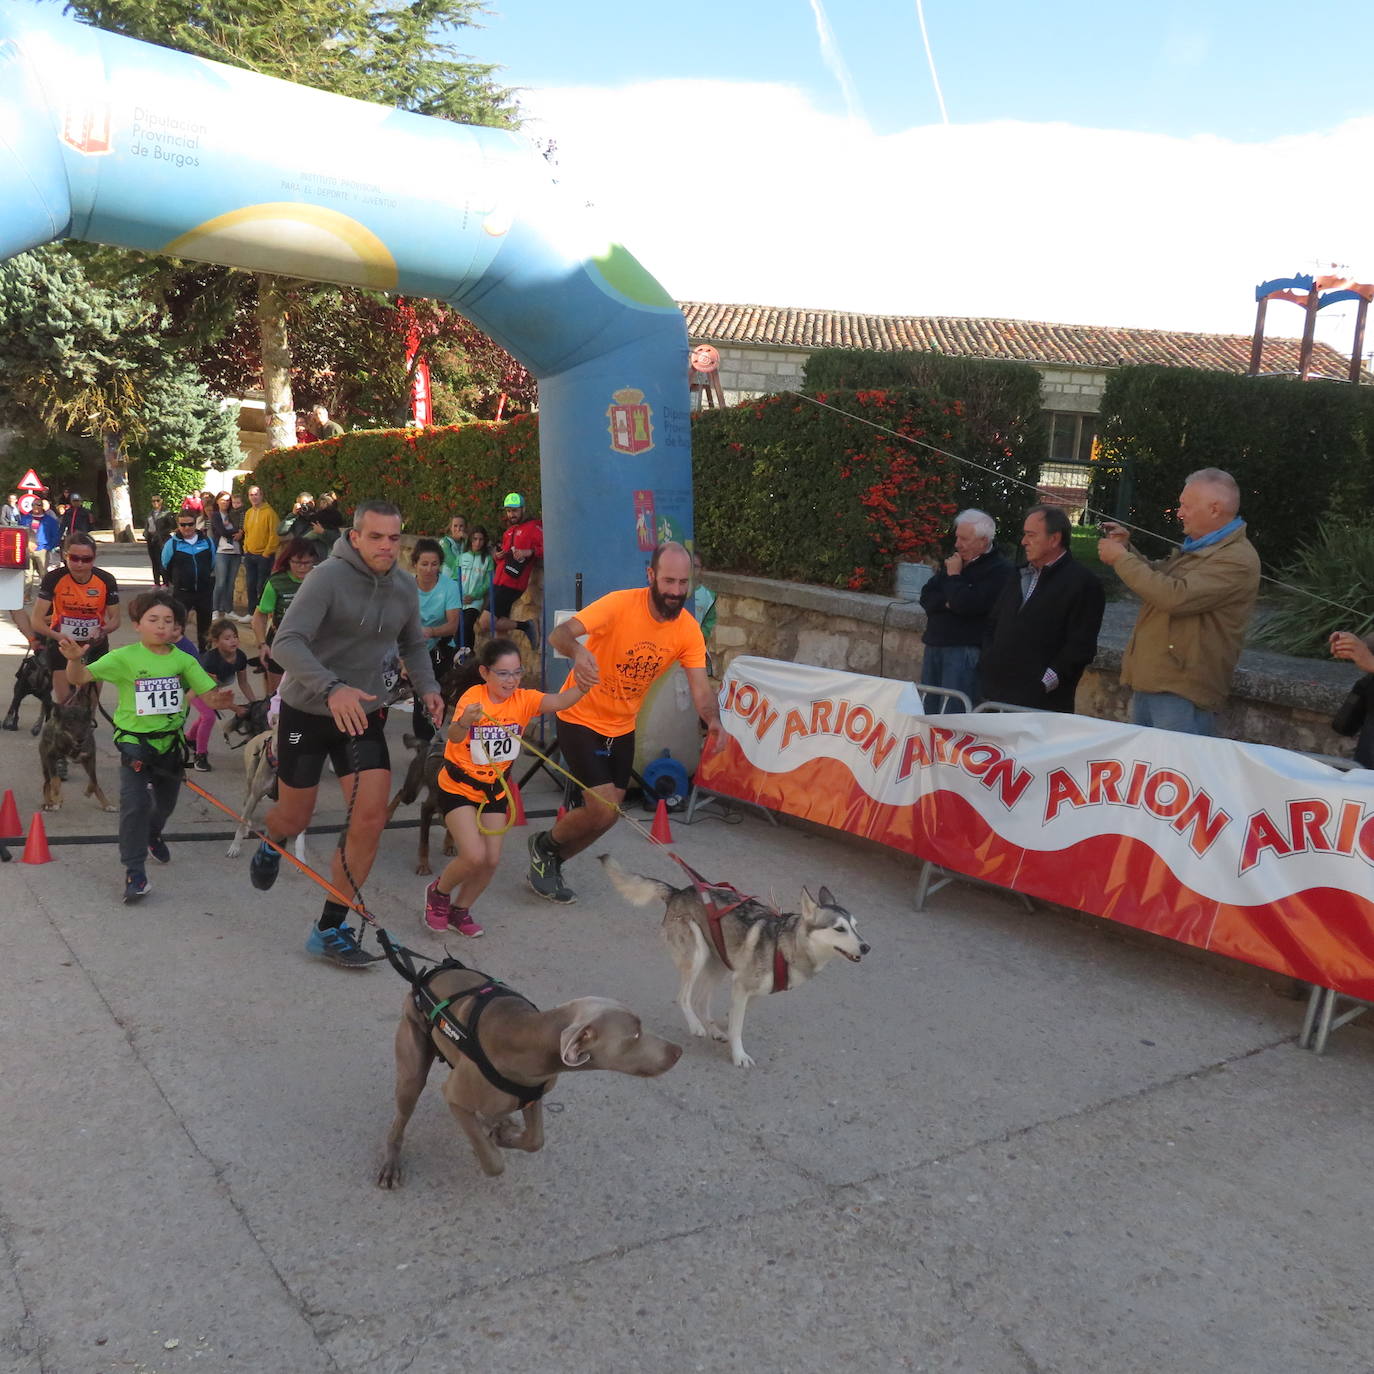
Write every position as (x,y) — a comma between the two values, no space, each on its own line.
(525,1050)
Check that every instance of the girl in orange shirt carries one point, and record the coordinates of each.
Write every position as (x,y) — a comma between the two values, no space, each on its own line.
(483,742)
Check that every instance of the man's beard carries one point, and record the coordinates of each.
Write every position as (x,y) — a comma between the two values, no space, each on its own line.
(668,607)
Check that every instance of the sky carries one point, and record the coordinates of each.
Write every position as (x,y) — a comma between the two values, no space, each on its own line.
(1102,162)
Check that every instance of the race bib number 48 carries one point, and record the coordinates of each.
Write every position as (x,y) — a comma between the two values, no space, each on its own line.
(492,745)
(157,696)
(82,631)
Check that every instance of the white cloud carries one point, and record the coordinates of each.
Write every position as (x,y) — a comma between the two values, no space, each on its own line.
(749,193)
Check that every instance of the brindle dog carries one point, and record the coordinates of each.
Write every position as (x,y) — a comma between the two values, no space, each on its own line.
(33,678)
(69,733)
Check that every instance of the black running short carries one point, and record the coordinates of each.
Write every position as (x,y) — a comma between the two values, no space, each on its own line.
(504,599)
(453,801)
(304,741)
(57,661)
(596,759)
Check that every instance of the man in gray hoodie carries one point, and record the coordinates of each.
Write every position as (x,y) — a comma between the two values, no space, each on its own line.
(338,644)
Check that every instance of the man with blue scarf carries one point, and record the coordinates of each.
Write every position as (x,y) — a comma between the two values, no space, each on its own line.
(1198,604)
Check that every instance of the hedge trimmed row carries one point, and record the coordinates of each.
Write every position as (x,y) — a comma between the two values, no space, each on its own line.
(1003,435)
(1303,452)
(431,474)
(792,490)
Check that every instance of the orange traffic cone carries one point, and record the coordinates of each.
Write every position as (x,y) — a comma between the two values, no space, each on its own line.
(10,827)
(662,832)
(519,804)
(36,849)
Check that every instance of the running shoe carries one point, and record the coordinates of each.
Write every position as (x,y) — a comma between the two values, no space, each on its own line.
(136,885)
(437,909)
(339,946)
(460,919)
(546,873)
(157,847)
(202,764)
(264,866)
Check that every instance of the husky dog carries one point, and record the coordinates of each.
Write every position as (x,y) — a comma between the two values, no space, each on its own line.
(758,942)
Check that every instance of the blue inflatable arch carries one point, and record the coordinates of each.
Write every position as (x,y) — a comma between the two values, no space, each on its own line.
(119,142)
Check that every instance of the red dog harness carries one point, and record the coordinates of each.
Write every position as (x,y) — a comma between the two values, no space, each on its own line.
(715,909)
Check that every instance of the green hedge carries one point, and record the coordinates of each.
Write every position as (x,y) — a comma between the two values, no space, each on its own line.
(1301,451)
(788,489)
(1003,427)
(431,474)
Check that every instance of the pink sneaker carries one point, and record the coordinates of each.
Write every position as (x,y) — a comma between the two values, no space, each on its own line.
(460,919)
(437,909)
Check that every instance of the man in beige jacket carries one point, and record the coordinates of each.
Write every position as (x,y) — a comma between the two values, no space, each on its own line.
(1198,604)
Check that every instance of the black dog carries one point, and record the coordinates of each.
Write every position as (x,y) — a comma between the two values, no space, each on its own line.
(33,678)
(69,734)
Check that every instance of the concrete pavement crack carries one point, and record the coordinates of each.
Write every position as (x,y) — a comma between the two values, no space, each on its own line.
(28,1339)
(216,1171)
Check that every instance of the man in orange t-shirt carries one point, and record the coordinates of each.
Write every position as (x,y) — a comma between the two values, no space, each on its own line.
(633,637)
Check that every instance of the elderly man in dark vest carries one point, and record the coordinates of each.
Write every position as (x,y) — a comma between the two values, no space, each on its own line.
(1197,607)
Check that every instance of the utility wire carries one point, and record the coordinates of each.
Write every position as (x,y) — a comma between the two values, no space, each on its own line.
(1362,617)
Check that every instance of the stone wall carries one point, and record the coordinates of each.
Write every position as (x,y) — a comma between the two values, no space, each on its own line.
(1275,699)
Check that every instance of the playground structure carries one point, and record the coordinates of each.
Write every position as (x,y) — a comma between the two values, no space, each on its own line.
(1320,292)
(114,141)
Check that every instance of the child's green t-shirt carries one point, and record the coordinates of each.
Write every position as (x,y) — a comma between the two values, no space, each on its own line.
(154,689)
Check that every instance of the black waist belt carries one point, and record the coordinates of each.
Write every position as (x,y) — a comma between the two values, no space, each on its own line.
(462,1035)
(492,790)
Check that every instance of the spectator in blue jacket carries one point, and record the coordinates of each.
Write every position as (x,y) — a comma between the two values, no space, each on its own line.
(957,600)
(47,535)
(189,558)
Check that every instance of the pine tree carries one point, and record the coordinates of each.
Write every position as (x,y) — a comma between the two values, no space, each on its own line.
(89,362)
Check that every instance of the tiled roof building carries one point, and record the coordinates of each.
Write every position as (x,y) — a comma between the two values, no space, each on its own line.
(764,348)
(1027,341)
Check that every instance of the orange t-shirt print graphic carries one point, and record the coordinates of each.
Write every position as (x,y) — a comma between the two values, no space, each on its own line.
(632,649)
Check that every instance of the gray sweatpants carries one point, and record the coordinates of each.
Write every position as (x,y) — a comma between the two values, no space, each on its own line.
(147,798)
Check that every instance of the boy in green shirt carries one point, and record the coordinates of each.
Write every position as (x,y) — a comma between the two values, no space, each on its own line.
(156,681)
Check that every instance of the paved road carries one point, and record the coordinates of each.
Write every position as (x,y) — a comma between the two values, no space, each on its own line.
(1004,1143)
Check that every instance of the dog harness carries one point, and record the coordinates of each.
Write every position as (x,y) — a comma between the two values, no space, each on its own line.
(462,1035)
(715,910)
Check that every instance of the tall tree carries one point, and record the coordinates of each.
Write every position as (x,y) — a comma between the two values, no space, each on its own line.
(393,54)
(90,364)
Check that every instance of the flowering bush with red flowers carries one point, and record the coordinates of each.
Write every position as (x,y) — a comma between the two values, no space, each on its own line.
(811,493)
(431,474)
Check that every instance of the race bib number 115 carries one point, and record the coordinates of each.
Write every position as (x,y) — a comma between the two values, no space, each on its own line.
(157,696)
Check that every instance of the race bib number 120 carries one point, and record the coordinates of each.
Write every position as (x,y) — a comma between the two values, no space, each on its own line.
(157,696)
(490,745)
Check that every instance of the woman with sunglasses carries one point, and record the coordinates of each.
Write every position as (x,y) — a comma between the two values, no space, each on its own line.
(188,558)
(78,601)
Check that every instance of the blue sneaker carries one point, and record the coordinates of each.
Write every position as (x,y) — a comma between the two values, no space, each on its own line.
(157,847)
(340,946)
(264,866)
(136,885)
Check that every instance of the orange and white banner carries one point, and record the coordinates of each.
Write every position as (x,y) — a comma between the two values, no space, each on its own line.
(1244,849)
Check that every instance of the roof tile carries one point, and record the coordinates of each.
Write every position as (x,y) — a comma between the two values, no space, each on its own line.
(1031,341)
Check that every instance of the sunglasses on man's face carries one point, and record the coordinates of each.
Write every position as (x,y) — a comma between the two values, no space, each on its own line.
(186,524)
(76,558)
